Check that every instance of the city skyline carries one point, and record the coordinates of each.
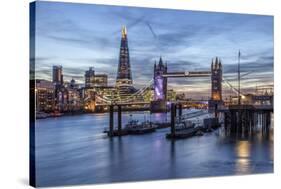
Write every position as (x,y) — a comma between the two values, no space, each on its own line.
(111,85)
(187,40)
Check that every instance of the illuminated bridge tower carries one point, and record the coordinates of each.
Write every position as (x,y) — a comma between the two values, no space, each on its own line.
(216,88)
(124,76)
(160,87)
(160,83)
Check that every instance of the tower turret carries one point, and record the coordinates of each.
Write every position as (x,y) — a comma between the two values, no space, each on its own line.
(216,85)
(216,77)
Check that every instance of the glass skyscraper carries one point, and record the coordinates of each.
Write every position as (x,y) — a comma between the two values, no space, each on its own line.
(124,76)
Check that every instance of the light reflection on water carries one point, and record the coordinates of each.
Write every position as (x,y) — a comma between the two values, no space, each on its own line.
(74,150)
(242,149)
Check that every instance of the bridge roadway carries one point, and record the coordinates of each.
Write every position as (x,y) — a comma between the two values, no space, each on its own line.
(188,74)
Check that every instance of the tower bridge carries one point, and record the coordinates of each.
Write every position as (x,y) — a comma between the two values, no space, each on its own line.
(128,95)
(161,76)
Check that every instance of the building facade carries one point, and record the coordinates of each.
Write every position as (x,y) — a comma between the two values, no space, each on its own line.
(100,80)
(44,95)
(171,95)
(74,100)
(57,75)
(95,80)
(89,77)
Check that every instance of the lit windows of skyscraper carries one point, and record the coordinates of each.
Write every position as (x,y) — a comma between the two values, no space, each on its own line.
(57,75)
(44,93)
(89,77)
(124,76)
(100,80)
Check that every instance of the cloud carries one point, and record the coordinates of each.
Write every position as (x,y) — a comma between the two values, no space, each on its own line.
(187,40)
(259,65)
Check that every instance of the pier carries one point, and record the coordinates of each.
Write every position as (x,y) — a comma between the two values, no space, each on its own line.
(239,120)
(134,129)
(119,132)
(242,120)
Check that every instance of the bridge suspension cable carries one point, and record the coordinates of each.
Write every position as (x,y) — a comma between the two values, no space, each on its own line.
(129,97)
(225,81)
(139,92)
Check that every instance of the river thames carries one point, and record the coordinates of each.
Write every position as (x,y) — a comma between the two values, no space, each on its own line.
(74,150)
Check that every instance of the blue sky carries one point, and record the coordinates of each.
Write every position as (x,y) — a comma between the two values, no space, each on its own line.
(78,36)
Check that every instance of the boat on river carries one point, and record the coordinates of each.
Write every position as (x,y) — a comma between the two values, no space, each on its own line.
(184,125)
(185,129)
(136,127)
(162,125)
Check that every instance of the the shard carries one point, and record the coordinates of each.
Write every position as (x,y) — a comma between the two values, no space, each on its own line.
(124,76)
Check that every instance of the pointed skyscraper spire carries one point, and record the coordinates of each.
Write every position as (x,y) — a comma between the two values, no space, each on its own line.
(124,32)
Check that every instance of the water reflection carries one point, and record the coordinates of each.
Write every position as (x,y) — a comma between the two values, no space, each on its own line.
(243,150)
(74,150)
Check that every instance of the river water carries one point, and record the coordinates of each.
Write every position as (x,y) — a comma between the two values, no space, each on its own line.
(74,150)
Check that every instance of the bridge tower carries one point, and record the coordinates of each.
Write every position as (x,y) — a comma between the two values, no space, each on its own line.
(160,87)
(160,83)
(216,84)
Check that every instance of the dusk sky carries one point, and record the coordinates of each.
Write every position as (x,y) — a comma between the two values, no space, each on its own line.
(79,36)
